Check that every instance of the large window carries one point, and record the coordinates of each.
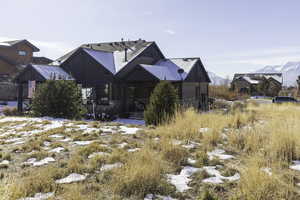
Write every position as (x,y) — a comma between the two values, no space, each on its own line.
(22,53)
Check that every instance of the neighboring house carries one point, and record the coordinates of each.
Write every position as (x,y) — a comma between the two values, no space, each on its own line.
(257,83)
(14,55)
(119,77)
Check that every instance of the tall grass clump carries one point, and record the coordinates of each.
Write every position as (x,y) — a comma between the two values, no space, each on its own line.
(255,183)
(142,174)
(163,104)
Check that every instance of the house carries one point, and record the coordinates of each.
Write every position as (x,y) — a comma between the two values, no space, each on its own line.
(257,83)
(14,55)
(119,77)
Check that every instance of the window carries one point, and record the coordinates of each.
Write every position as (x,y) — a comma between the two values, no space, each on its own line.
(22,53)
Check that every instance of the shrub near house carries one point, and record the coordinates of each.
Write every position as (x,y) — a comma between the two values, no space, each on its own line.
(58,98)
(163,103)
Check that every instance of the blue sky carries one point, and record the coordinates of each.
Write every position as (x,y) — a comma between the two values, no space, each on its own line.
(229,35)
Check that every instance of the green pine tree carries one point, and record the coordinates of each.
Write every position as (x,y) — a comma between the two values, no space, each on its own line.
(60,98)
(163,104)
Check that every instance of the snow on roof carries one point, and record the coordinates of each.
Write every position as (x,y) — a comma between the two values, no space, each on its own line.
(277,78)
(185,63)
(250,80)
(165,72)
(117,49)
(104,58)
(132,52)
(52,72)
(4,44)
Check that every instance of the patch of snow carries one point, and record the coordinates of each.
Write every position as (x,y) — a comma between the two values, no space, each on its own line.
(82,143)
(191,145)
(111,166)
(220,153)
(39,196)
(181,180)
(34,162)
(46,143)
(14,140)
(176,142)
(122,145)
(44,161)
(4,162)
(296,165)
(98,154)
(71,178)
(191,161)
(204,130)
(152,197)
(217,177)
(267,170)
(128,131)
(57,150)
(67,139)
(133,150)
(56,136)
(130,121)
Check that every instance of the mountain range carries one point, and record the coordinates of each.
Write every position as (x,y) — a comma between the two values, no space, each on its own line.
(215,79)
(290,72)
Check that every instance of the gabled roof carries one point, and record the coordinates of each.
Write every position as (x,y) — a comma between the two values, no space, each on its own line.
(253,77)
(110,54)
(52,72)
(249,80)
(168,72)
(16,42)
(133,48)
(104,58)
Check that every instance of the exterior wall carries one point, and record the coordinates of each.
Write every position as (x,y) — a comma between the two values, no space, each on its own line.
(241,85)
(6,68)
(86,70)
(8,91)
(195,95)
(11,53)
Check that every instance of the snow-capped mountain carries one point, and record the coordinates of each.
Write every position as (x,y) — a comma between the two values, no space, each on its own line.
(290,72)
(215,79)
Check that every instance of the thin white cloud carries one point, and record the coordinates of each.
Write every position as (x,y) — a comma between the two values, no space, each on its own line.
(170,31)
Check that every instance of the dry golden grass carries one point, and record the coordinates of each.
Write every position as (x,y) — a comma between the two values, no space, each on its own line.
(141,175)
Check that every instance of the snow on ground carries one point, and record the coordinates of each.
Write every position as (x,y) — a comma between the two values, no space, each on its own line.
(71,178)
(39,196)
(296,165)
(181,180)
(98,154)
(217,178)
(111,166)
(219,153)
(35,163)
(57,150)
(82,143)
(152,197)
(128,131)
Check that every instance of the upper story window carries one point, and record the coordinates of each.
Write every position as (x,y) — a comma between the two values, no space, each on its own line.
(22,53)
